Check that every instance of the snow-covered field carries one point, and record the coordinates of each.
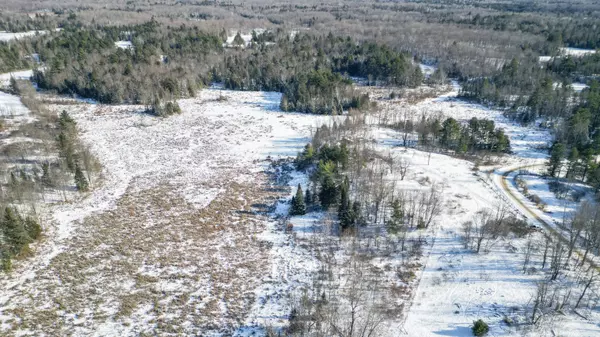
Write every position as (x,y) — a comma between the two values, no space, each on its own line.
(171,241)
(576,52)
(458,286)
(171,228)
(17,75)
(7,36)
(124,44)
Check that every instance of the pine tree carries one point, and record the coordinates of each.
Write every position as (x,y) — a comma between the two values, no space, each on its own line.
(308,198)
(329,191)
(557,153)
(345,211)
(573,160)
(238,40)
(80,180)
(66,151)
(5,262)
(298,206)
(33,228)
(46,179)
(395,223)
(14,232)
(223,35)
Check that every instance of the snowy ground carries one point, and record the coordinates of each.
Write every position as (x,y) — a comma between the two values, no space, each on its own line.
(458,286)
(171,241)
(124,44)
(17,75)
(6,36)
(577,52)
(170,230)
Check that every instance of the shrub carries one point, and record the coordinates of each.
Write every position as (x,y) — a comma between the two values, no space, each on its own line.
(480,328)
(559,189)
(518,226)
(535,199)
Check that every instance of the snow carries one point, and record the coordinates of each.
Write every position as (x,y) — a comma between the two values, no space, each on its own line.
(578,87)
(427,69)
(247,37)
(12,108)
(18,75)
(7,36)
(124,44)
(215,144)
(544,59)
(199,153)
(576,52)
(457,286)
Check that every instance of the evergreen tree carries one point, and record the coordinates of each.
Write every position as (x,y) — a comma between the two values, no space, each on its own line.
(223,35)
(345,212)
(80,180)
(396,221)
(298,206)
(450,134)
(5,260)
(33,228)
(557,153)
(238,40)
(66,150)
(308,198)
(46,179)
(329,191)
(573,160)
(14,232)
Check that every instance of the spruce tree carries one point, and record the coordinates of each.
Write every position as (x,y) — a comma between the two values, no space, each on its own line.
(66,150)
(395,223)
(33,228)
(308,199)
(345,213)
(329,191)
(238,40)
(298,206)
(80,180)
(573,160)
(14,232)
(5,262)
(46,179)
(557,153)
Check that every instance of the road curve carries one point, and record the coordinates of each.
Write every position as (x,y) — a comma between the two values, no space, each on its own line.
(550,230)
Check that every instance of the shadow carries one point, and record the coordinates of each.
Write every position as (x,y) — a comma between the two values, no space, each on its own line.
(457,331)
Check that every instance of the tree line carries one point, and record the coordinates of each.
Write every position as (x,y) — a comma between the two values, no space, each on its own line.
(44,170)
(166,62)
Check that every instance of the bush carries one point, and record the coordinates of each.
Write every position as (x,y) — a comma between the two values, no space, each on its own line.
(518,226)
(480,328)
(559,189)
(535,199)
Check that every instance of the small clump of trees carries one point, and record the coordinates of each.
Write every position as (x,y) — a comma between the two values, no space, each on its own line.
(480,328)
(17,233)
(477,135)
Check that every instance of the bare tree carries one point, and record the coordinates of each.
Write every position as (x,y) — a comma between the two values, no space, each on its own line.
(590,215)
(467,228)
(431,205)
(403,165)
(482,227)
(556,260)
(592,277)
(575,227)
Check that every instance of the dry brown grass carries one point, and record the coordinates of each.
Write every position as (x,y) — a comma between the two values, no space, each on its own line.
(156,258)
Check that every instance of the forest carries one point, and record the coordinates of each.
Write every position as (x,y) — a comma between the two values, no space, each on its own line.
(306,169)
